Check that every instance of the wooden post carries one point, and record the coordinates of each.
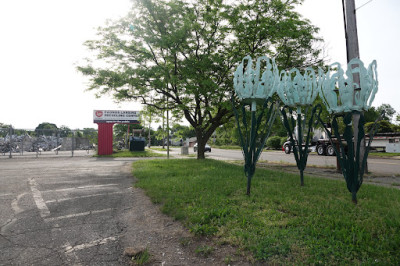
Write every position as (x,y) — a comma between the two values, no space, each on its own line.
(352,48)
(351,30)
(167,130)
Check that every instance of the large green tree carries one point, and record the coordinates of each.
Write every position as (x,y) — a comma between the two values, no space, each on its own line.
(2,125)
(182,132)
(65,131)
(389,111)
(181,55)
(46,128)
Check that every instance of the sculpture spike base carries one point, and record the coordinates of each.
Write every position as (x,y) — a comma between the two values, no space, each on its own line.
(249,184)
(301,178)
(354,197)
(255,134)
(352,162)
(289,122)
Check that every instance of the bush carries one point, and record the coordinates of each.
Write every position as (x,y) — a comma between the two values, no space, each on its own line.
(384,126)
(274,142)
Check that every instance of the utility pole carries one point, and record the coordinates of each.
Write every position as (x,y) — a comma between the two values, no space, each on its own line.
(167,129)
(352,48)
(149,137)
(350,26)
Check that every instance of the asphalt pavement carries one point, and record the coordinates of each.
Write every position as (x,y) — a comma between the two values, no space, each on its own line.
(64,211)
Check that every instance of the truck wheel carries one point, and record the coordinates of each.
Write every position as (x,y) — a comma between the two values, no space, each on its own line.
(287,149)
(320,150)
(330,150)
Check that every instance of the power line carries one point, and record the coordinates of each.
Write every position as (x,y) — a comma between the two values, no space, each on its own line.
(363,5)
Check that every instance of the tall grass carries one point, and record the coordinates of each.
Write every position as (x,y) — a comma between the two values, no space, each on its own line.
(280,222)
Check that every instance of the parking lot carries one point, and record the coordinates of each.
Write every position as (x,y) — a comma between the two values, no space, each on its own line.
(63,211)
(80,211)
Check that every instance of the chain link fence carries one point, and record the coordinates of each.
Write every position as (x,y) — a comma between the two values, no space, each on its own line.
(46,142)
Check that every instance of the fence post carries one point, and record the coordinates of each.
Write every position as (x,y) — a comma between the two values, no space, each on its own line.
(10,143)
(37,146)
(72,143)
(23,142)
(58,139)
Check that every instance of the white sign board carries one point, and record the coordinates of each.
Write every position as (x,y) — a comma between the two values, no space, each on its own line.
(116,116)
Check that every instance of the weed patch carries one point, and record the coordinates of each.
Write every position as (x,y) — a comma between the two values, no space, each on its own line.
(204,250)
(141,258)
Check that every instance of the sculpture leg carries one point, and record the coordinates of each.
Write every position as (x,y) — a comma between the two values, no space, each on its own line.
(354,197)
(252,137)
(301,177)
(302,156)
(249,177)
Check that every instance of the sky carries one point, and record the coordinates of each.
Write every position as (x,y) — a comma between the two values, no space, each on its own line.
(42,43)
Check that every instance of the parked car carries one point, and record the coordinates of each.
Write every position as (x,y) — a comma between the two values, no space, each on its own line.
(206,148)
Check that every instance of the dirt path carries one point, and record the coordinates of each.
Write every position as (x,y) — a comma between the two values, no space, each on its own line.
(168,242)
(392,181)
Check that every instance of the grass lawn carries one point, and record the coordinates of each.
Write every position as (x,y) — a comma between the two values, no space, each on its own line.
(159,149)
(127,153)
(383,154)
(280,222)
(227,147)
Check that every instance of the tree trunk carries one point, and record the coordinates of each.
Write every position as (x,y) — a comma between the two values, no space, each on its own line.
(200,147)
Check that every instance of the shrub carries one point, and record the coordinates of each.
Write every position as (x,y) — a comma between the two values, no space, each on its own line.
(384,126)
(274,142)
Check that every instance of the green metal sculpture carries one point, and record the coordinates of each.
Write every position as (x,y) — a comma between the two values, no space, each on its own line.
(342,94)
(254,86)
(295,89)
(344,97)
(300,150)
(299,91)
(349,155)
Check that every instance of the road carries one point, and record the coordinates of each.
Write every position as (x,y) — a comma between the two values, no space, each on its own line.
(376,166)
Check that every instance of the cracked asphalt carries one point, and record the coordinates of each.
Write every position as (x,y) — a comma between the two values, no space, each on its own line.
(64,211)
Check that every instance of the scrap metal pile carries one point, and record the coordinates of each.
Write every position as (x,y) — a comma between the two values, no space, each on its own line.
(28,143)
